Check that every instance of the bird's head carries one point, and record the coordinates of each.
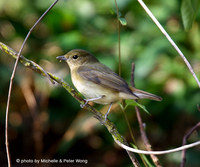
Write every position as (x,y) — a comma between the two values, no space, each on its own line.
(77,57)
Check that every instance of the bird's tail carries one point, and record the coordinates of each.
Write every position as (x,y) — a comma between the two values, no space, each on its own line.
(145,95)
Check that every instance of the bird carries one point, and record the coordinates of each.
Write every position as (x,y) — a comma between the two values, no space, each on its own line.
(97,82)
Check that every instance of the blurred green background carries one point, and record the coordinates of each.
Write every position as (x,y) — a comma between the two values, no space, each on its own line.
(46,122)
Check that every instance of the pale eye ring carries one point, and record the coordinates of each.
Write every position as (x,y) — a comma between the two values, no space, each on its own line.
(75,56)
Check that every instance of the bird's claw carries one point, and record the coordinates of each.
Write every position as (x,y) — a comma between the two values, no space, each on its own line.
(105,118)
(83,105)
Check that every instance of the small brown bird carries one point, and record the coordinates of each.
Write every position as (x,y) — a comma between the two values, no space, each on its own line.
(97,82)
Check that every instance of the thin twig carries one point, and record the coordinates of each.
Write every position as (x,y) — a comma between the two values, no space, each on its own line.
(169,39)
(145,139)
(158,152)
(142,131)
(118,30)
(185,141)
(98,115)
(133,74)
(11,82)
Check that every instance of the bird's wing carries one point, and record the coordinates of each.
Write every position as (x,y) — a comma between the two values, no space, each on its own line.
(104,77)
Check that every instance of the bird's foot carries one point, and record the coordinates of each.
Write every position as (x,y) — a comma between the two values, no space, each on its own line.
(105,118)
(93,99)
(106,115)
(83,105)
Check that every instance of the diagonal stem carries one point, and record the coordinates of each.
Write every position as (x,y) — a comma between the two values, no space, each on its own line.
(169,39)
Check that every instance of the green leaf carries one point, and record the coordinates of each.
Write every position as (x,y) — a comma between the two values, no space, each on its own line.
(189,9)
(123,21)
(134,103)
(143,107)
(121,106)
(133,145)
(130,103)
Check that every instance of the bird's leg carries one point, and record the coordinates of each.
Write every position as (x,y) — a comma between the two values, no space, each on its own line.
(93,99)
(106,115)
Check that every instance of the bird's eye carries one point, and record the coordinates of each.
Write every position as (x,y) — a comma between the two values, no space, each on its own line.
(75,56)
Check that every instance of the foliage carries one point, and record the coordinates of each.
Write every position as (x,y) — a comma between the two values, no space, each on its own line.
(189,10)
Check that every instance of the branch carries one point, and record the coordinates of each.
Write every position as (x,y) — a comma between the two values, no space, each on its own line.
(169,39)
(98,115)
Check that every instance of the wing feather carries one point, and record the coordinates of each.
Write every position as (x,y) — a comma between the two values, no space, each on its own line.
(104,77)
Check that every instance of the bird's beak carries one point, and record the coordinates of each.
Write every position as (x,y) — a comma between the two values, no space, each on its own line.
(61,58)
